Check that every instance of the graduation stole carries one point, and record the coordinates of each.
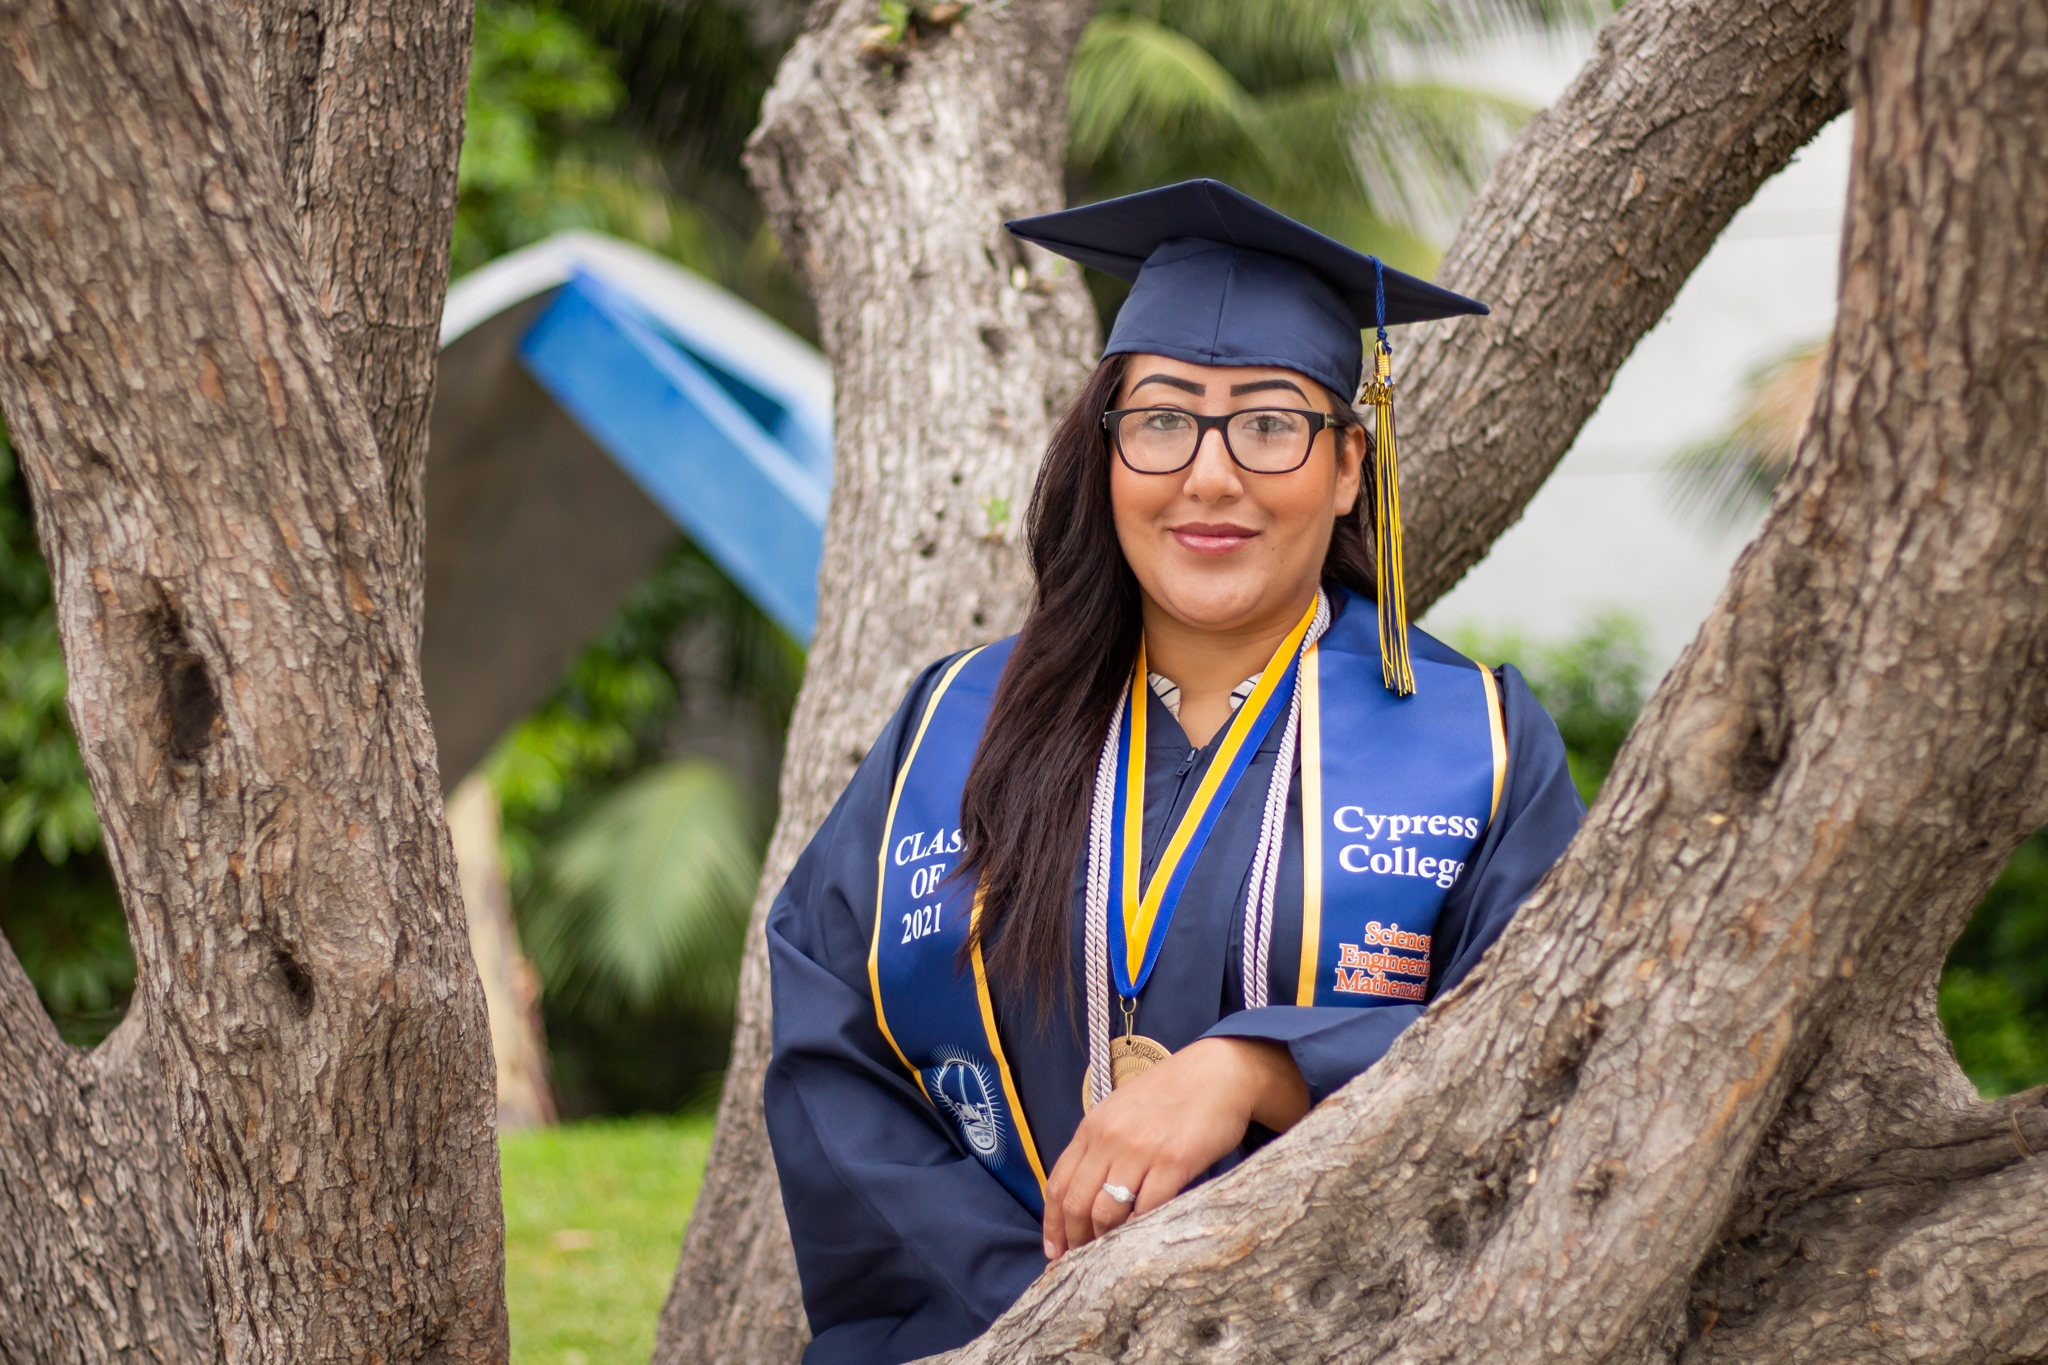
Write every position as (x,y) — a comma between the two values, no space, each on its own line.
(938,1019)
(1396,793)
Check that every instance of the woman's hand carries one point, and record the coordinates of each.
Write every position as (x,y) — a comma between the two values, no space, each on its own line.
(1159,1130)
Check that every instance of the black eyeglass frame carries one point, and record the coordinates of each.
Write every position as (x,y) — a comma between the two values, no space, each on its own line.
(1204,424)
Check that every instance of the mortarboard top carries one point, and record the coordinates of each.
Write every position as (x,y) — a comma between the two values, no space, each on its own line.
(1220,279)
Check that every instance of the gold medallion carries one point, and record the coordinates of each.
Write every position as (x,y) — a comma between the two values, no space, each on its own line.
(1131,1055)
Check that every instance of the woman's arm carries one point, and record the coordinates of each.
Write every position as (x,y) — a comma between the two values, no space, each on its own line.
(1196,1106)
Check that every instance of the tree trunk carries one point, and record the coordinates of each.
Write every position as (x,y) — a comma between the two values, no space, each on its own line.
(1686,109)
(1696,1102)
(365,101)
(511,986)
(888,177)
(239,617)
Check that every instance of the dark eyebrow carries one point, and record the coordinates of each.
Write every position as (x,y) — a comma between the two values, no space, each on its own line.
(1237,390)
(1188,385)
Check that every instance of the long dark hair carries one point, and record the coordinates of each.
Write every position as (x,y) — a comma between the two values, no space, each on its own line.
(1024,811)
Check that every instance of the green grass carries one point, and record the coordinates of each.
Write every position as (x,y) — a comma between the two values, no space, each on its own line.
(594,1216)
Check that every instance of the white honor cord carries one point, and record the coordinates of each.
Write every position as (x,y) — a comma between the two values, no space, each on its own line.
(1258,930)
(1101,824)
(1258,901)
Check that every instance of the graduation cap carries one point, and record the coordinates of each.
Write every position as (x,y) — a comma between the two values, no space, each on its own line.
(1220,279)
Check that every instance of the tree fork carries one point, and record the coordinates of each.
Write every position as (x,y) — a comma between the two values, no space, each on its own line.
(851,147)
(233,596)
(102,1260)
(1815,798)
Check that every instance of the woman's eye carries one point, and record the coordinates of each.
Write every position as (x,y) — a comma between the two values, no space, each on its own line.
(1166,421)
(1273,423)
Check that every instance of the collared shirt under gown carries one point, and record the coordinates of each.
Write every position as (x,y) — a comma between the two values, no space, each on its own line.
(907,1246)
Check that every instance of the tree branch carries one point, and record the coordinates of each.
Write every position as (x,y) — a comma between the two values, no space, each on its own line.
(1584,234)
(1944,1258)
(101,1262)
(1668,160)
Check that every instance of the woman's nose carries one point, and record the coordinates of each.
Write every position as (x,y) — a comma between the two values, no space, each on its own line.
(1213,475)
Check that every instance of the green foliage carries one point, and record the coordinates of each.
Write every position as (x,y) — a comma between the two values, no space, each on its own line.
(594,1217)
(625,117)
(44,797)
(1994,993)
(632,873)
(64,923)
(58,905)
(540,154)
(1591,684)
(1292,102)
(607,716)
(646,898)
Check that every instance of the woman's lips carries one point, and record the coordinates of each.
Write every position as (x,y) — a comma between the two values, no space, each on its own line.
(1211,538)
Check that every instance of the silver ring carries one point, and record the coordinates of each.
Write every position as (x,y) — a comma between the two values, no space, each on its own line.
(1119,1193)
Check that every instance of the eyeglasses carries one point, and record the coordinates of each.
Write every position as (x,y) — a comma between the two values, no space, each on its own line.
(1259,440)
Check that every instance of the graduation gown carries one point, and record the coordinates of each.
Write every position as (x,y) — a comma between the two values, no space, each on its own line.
(905,1243)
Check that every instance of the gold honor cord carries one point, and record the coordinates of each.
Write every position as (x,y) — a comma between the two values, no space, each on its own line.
(1311,686)
(1378,394)
(1142,914)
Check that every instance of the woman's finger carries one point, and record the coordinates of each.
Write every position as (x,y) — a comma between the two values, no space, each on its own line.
(1162,1182)
(1078,1208)
(1054,1224)
(1110,1210)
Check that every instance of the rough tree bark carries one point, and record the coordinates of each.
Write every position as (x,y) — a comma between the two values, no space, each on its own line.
(1696,1103)
(888,178)
(1582,238)
(238,602)
(101,1260)
(364,101)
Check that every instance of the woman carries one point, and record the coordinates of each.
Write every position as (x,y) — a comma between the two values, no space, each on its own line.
(1110,903)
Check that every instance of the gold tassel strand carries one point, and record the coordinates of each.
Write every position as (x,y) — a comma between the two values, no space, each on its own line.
(1378,393)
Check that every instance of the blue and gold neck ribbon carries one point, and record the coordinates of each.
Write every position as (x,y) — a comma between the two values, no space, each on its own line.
(1146,916)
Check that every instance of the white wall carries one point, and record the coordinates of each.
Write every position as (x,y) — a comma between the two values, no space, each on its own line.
(1602,533)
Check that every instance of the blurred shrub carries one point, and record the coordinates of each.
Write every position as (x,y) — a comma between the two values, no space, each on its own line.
(645,900)
(633,854)
(624,117)
(1994,994)
(58,904)
(1591,684)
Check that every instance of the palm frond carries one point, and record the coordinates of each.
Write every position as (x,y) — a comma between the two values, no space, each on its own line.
(1131,72)
(1423,148)
(1459,25)
(1728,478)
(645,898)
(1286,101)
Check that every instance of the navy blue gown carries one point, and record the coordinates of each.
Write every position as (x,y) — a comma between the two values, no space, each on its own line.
(906,1245)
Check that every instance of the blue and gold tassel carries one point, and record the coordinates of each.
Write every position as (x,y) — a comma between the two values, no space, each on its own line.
(1377,393)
